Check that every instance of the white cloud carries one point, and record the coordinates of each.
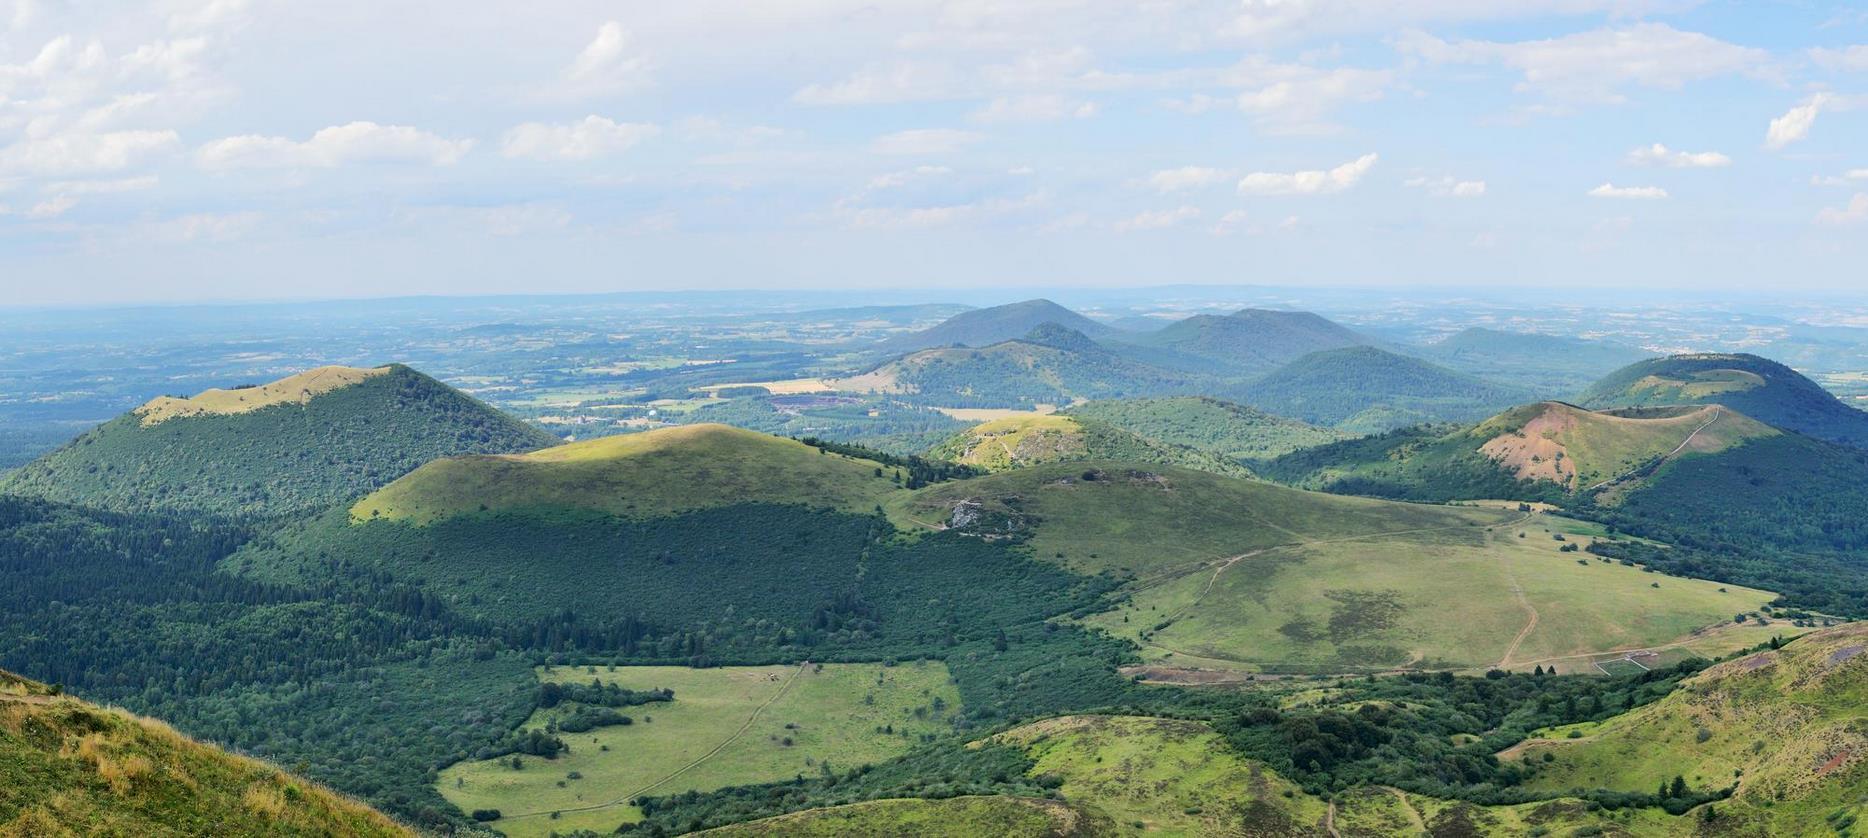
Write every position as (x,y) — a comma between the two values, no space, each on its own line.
(892,180)
(68,154)
(201,227)
(102,187)
(1795,124)
(607,64)
(1187,178)
(1447,186)
(1610,190)
(880,84)
(338,145)
(1853,58)
(592,136)
(1033,108)
(1660,155)
(1595,66)
(1158,219)
(925,141)
(1312,182)
(1297,98)
(1854,213)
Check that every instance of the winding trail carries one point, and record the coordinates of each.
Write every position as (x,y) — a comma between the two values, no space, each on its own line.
(1412,813)
(1517,590)
(1329,821)
(1716,413)
(666,778)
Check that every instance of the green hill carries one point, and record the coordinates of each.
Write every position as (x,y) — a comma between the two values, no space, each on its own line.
(1739,500)
(68,767)
(987,326)
(1020,441)
(303,442)
(1207,424)
(1757,387)
(1546,364)
(1784,726)
(1249,341)
(645,475)
(1363,389)
(1052,365)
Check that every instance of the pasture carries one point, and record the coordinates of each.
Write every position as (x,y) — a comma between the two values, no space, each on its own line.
(726,726)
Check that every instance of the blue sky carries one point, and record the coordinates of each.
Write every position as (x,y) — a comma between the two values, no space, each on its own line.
(222,149)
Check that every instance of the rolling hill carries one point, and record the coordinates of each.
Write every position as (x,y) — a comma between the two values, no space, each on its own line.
(1549,365)
(650,474)
(1049,364)
(1019,441)
(987,326)
(68,767)
(1207,424)
(1757,387)
(1784,726)
(1232,574)
(1249,341)
(302,442)
(1363,389)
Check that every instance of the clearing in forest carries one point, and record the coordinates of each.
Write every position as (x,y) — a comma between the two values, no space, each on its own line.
(726,726)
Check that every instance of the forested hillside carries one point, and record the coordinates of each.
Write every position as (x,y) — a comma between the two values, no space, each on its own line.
(1368,390)
(278,453)
(1757,387)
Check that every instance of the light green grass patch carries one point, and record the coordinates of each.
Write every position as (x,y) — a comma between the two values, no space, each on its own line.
(726,726)
(1446,599)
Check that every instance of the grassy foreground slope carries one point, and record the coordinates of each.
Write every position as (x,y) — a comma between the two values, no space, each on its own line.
(643,475)
(1786,726)
(301,443)
(1020,441)
(1757,387)
(1207,424)
(68,768)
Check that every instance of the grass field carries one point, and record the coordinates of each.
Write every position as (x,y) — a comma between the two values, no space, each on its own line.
(1461,598)
(638,475)
(293,389)
(1159,519)
(957,817)
(726,726)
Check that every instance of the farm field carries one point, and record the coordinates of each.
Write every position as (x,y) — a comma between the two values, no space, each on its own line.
(725,726)
(1469,598)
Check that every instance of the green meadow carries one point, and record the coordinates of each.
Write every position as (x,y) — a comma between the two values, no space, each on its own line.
(726,726)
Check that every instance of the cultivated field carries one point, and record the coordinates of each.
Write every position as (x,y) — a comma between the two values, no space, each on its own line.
(725,726)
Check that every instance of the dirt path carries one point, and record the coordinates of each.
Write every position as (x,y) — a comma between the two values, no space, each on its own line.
(1716,413)
(1329,821)
(1412,813)
(750,719)
(1530,625)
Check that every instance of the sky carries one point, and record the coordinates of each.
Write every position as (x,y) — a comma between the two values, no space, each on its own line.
(193,150)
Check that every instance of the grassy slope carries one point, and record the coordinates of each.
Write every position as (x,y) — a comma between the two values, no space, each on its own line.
(1786,725)
(1208,424)
(71,768)
(1151,519)
(1757,387)
(836,714)
(1597,447)
(642,475)
(285,457)
(957,817)
(1461,598)
(1175,777)
(1021,441)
